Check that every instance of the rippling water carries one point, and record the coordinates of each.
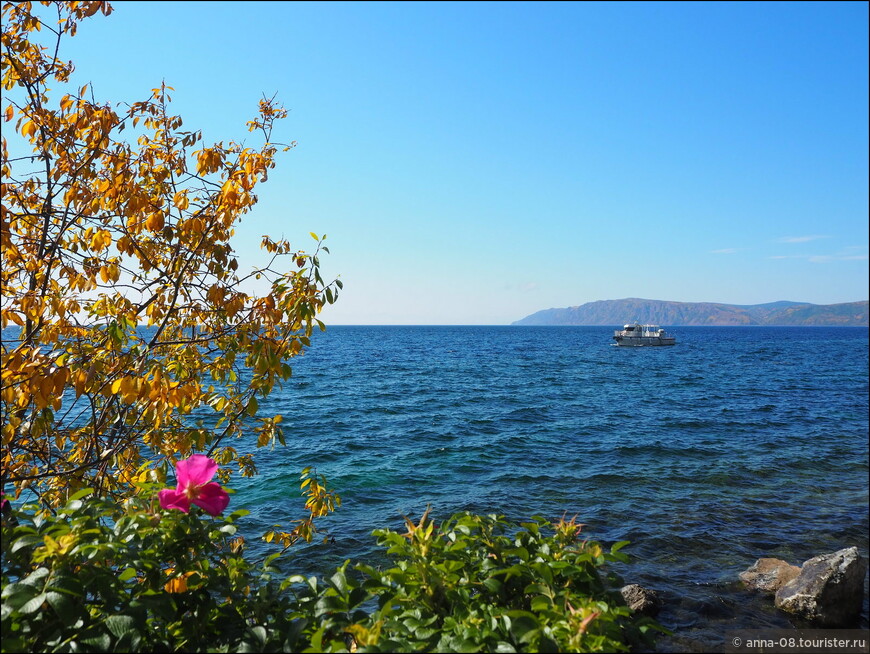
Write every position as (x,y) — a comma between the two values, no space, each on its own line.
(735,444)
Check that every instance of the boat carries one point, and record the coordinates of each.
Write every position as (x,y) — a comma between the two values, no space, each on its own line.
(637,335)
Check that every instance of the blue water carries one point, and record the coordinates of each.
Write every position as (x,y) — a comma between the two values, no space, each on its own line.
(737,443)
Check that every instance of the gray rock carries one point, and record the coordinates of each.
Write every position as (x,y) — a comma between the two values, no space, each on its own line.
(769,575)
(641,600)
(829,589)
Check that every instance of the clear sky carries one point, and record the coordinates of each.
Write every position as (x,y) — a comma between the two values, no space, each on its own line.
(474,163)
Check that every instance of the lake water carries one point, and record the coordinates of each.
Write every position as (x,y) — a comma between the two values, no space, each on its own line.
(735,444)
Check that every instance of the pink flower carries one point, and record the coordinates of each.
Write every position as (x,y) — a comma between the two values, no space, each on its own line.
(195,485)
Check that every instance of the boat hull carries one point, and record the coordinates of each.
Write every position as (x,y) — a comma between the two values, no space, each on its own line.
(644,341)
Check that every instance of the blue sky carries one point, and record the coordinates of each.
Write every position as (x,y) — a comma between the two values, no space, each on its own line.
(474,163)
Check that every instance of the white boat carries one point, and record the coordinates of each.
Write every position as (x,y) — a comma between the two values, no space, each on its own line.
(637,335)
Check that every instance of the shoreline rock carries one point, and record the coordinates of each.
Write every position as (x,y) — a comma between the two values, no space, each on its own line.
(769,575)
(827,589)
(641,600)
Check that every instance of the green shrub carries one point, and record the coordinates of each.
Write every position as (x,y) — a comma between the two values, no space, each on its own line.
(99,576)
(481,584)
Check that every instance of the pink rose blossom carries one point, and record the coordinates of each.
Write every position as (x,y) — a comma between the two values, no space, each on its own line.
(194,485)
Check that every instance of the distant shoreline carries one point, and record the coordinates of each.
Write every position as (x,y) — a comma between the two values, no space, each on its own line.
(783,313)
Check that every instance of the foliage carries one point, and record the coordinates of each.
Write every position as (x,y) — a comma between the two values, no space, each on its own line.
(100,576)
(319,501)
(479,583)
(118,270)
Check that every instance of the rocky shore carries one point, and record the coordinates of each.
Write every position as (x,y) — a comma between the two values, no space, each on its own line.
(827,590)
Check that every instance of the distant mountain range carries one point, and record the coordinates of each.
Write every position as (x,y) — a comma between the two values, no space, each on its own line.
(661,312)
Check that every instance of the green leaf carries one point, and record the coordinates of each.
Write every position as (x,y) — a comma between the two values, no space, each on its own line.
(531,527)
(618,546)
(513,571)
(102,643)
(547,644)
(339,581)
(260,634)
(316,640)
(541,603)
(128,573)
(268,560)
(521,552)
(73,505)
(493,585)
(26,541)
(524,626)
(84,492)
(18,594)
(64,605)
(36,577)
(33,605)
(543,569)
(540,589)
(120,625)
(329,604)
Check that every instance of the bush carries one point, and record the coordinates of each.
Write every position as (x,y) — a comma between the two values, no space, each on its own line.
(100,576)
(482,584)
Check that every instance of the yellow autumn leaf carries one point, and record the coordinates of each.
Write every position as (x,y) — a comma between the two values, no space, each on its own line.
(176,585)
(129,389)
(100,240)
(155,221)
(60,546)
(59,380)
(215,294)
(80,379)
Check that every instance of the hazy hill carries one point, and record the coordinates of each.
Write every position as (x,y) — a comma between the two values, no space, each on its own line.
(662,312)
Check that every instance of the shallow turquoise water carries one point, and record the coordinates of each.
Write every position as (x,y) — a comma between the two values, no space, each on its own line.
(734,444)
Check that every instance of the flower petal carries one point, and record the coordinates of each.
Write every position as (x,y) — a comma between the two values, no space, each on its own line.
(212,498)
(195,471)
(171,498)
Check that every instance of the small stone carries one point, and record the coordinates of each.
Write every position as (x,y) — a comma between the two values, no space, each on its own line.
(769,575)
(641,600)
(829,589)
